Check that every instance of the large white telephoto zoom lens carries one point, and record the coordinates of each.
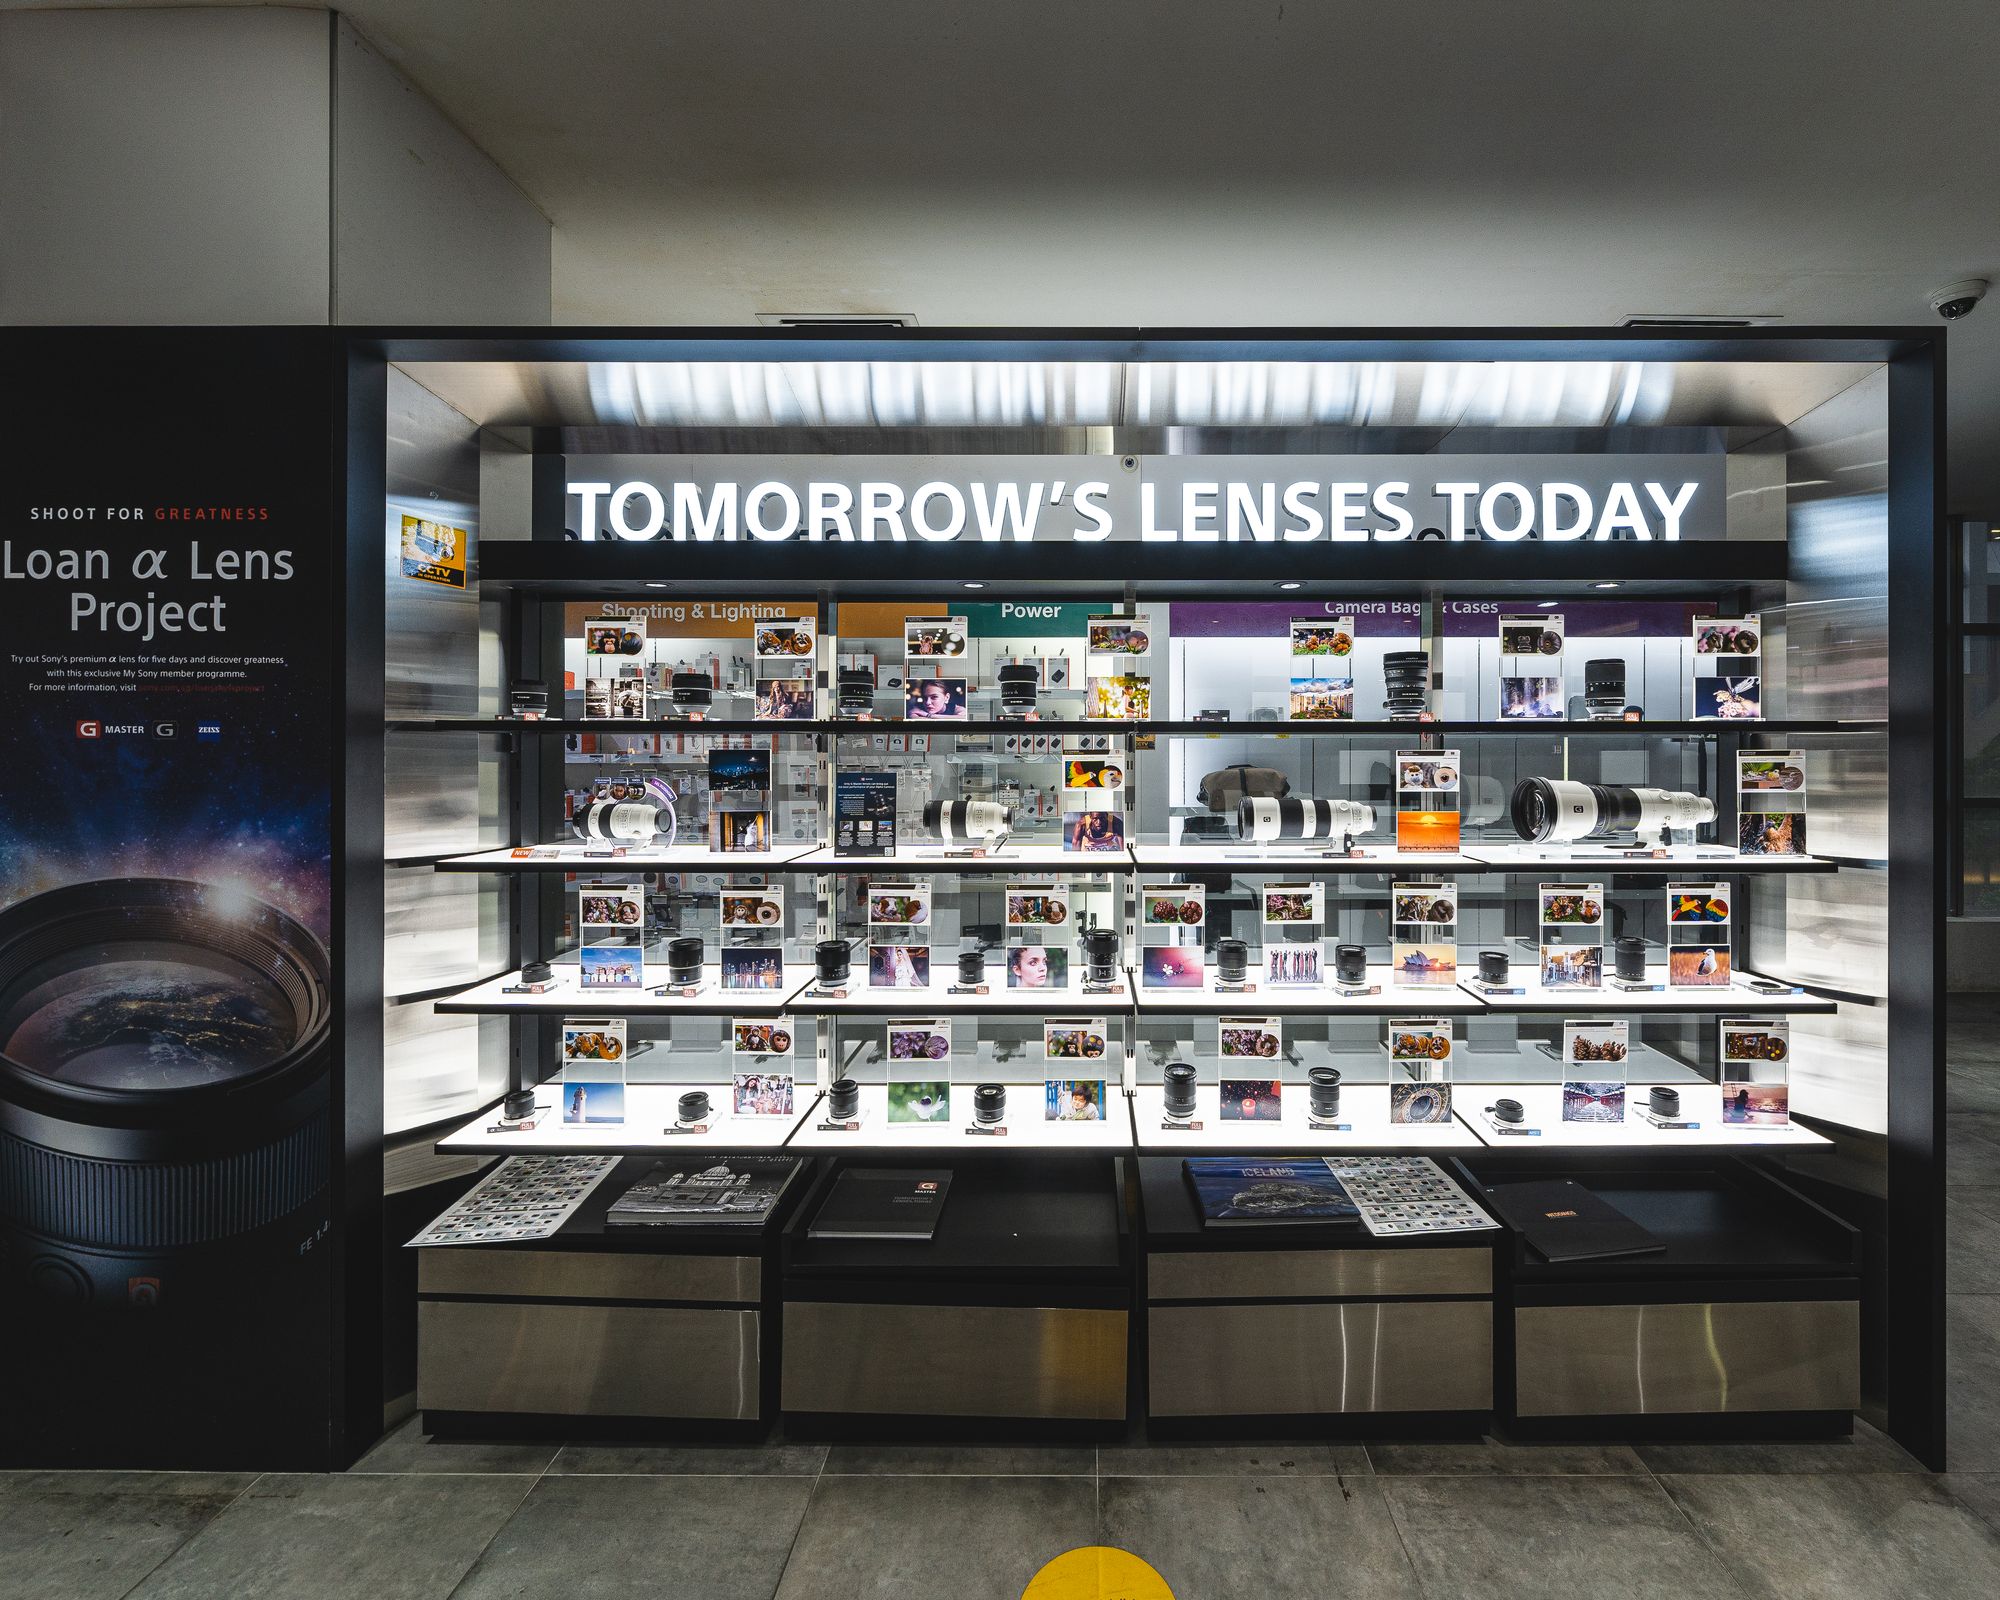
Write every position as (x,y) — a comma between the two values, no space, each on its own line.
(965,821)
(1263,818)
(1559,811)
(622,821)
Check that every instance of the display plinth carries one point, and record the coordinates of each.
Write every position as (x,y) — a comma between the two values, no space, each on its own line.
(999,999)
(1249,859)
(575,858)
(1735,998)
(1694,859)
(924,858)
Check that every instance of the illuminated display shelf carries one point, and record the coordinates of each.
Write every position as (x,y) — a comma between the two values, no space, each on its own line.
(1364,1107)
(1541,1106)
(569,997)
(1409,732)
(1027,1127)
(649,1112)
(1320,999)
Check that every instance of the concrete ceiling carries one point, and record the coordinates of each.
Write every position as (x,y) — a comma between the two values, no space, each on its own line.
(1182,162)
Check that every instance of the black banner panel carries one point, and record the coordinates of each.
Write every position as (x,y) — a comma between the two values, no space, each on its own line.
(169,1024)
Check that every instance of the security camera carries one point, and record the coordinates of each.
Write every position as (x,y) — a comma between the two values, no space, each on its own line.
(1956,300)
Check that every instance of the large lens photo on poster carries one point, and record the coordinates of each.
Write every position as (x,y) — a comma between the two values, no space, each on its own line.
(167,999)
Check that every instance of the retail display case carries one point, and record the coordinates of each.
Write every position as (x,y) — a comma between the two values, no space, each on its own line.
(1446,649)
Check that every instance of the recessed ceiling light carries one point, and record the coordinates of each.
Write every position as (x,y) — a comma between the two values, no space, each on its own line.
(651,584)
(1608,583)
(1290,583)
(1546,605)
(972,583)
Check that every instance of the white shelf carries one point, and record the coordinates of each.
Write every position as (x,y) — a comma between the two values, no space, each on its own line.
(1027,1128)
(1323,999)
(924,858)
(569,996)
(571,858)
(1525,1061)
(1695,860)
(1542,1105)
(1071,1001)
(1247,859)
(1734,998)
(1364,1106)
(649,1112)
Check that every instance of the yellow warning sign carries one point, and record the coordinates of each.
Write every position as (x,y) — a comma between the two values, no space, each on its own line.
(1097,1572)
(434,552)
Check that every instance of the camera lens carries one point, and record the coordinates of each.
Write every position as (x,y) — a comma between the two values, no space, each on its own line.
(959,821)
(971,966)
(1493,966)
(1350,963)
(159,1041)
(843,1099)
(692,691)
(684,959)
(1232,960)
(519,1104)
(1179,1082)
(1630,960)
(989,1103)
(1100,952)
(692,1107)
(854,691)
(1664,1102)
(832,961)
(1323,1092)
(1506,1111)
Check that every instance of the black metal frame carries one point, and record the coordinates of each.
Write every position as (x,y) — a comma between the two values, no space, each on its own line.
(1918,619)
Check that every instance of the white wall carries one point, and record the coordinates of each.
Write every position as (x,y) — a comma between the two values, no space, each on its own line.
(163,166)
(245,165)
(426,228)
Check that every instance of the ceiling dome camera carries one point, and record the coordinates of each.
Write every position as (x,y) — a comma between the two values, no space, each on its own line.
(1956,300)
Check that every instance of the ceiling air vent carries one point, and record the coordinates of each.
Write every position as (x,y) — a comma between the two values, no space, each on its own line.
(836,319)
(1697,319)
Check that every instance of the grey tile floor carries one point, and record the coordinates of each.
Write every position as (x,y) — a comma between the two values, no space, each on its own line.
(419,1519)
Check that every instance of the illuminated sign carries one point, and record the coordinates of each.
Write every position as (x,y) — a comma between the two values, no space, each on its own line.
(1147,500)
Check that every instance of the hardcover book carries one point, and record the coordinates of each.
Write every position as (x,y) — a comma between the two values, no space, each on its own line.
(1261,1193)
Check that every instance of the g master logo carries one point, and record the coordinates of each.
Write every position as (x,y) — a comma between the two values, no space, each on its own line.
(89,729)
(166,730)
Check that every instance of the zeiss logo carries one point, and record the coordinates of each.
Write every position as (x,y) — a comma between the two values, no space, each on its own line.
(208,730)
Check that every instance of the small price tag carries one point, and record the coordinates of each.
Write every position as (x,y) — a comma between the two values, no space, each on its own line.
(674,1129)
(987,1132)
(839,1127)
(1191,1126)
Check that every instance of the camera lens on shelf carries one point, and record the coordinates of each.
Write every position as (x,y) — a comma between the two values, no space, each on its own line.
(1629,959)
(1604,688)
(1019,685)
(1263,818)
(684,959)
(1562,811)
(1232,960)
(971,967)
(989,1103)
(833,960)
(958,822)
(1350,963)
(843,1100)
(1323,1092)
(1664,1102)
(518,1106)
(1508,1111)
(1178,1083)
(691,691)
(1100,955)
(854,691)
(1493,966)
(692,1107)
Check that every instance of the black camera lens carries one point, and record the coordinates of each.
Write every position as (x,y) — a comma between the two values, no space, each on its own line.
(1232,960)
(1506,1111)
(1100,954)
(1493,966)
(692,1106)
(1629,960)
(972,966)
(1178,1082)
(854,691)
(684,959)
(517,1105)
(1019,685)
(537,972)
(1323,1092)
(1664,1102)
(843,1099)
(989,1103)
(163,1087)
(692,691)
(832,961)
(1350,963)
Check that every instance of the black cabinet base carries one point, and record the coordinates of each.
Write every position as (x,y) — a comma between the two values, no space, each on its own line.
(1344,1426)
(878,1428)
(507,1425)
(1705,1427)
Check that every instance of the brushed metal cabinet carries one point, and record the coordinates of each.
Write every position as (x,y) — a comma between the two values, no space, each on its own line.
(955,1361)
(1314,1274)
(587,1360)
(1354,1356)
(590,1275)
(1785,1355)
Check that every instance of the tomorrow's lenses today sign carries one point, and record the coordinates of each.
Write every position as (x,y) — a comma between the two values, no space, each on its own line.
(1146,499)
